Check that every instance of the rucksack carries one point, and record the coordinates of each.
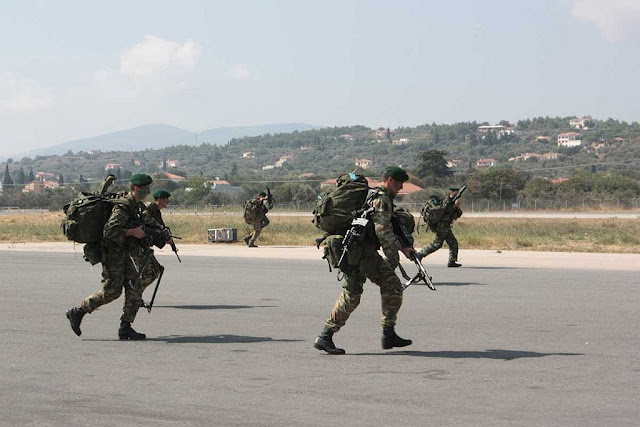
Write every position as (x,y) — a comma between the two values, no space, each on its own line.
(87,214)
(336,208)
(432,211)
(251,211)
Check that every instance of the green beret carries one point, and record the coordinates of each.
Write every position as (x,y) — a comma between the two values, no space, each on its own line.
(161,194)
(454,189)
(140,179)
(397,173)
(262,194)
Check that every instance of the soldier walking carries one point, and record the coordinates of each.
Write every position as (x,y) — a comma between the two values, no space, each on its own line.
(118,269)
(255,214)
(373,267)
(443,228)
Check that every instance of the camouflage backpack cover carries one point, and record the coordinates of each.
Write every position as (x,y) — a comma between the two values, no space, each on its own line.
(251,211)
(336,208)
(432,212)
(86,216)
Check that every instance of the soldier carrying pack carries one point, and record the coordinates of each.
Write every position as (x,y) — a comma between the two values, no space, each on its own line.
(86,216)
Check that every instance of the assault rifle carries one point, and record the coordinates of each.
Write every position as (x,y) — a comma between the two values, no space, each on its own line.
(421,275)
(356,233)
(406,239)
(160,236)
(269,199)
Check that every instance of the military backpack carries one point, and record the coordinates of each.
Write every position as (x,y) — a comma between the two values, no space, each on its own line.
(432,212)
(252,211)
(85,218)
(336,208)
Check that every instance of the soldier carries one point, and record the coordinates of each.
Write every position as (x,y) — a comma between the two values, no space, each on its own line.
(152,218)
(443,230)
(117,266)
(374,268)
(255,214)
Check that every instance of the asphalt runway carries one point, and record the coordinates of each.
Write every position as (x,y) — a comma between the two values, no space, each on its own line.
(231,345)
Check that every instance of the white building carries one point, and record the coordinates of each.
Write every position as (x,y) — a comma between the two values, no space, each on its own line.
(364,163)
(569,139)
(579,123)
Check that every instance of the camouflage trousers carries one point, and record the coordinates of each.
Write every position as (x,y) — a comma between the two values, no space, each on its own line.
(444,233)
(390,295)
(257,229)
(118,270)
(150,273)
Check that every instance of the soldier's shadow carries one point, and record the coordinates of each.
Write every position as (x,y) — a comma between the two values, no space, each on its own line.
(216,339)
(487,354)
(436,284)
(213,307)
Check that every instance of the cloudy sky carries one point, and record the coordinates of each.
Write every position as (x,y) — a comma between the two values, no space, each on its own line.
(74,69)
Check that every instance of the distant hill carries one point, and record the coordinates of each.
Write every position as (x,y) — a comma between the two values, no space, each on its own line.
(220,136)
(156,136)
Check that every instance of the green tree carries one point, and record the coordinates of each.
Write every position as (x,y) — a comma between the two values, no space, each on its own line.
(7,177)
(60,179)
(433,167)
(20,177)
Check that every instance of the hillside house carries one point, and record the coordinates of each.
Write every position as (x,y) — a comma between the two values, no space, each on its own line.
(112,166)
(364,163)
(43,176)
(526,156)
(282,160)
(499,130)
(543,139)
(249,155)
(454,163)
(268,167)
(569,139)
(170,164)
(346,137)
(219,185)
(401,141)
(579,122)
(38,187)
(383,133)
(173,177)
(486,163)
(306,175)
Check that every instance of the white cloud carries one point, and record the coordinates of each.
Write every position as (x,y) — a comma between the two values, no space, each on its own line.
(155,56)
(616,19)
(153,66)
(21,94)
(239,72)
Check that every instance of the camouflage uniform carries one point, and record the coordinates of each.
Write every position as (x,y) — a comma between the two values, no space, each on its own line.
(444,233)
(151,216)
(259,222)
(117,266)
(379,271)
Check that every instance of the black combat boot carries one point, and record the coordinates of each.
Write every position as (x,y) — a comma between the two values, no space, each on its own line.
(75,316)
(390,339)
(126,332)
(246,239)
(453,264)
(325,343)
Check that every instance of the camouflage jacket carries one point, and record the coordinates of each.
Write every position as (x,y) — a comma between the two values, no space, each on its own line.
(383,204)
(126,211)
(152,216)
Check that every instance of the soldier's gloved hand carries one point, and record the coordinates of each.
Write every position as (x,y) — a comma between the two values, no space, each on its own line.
(419,255)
